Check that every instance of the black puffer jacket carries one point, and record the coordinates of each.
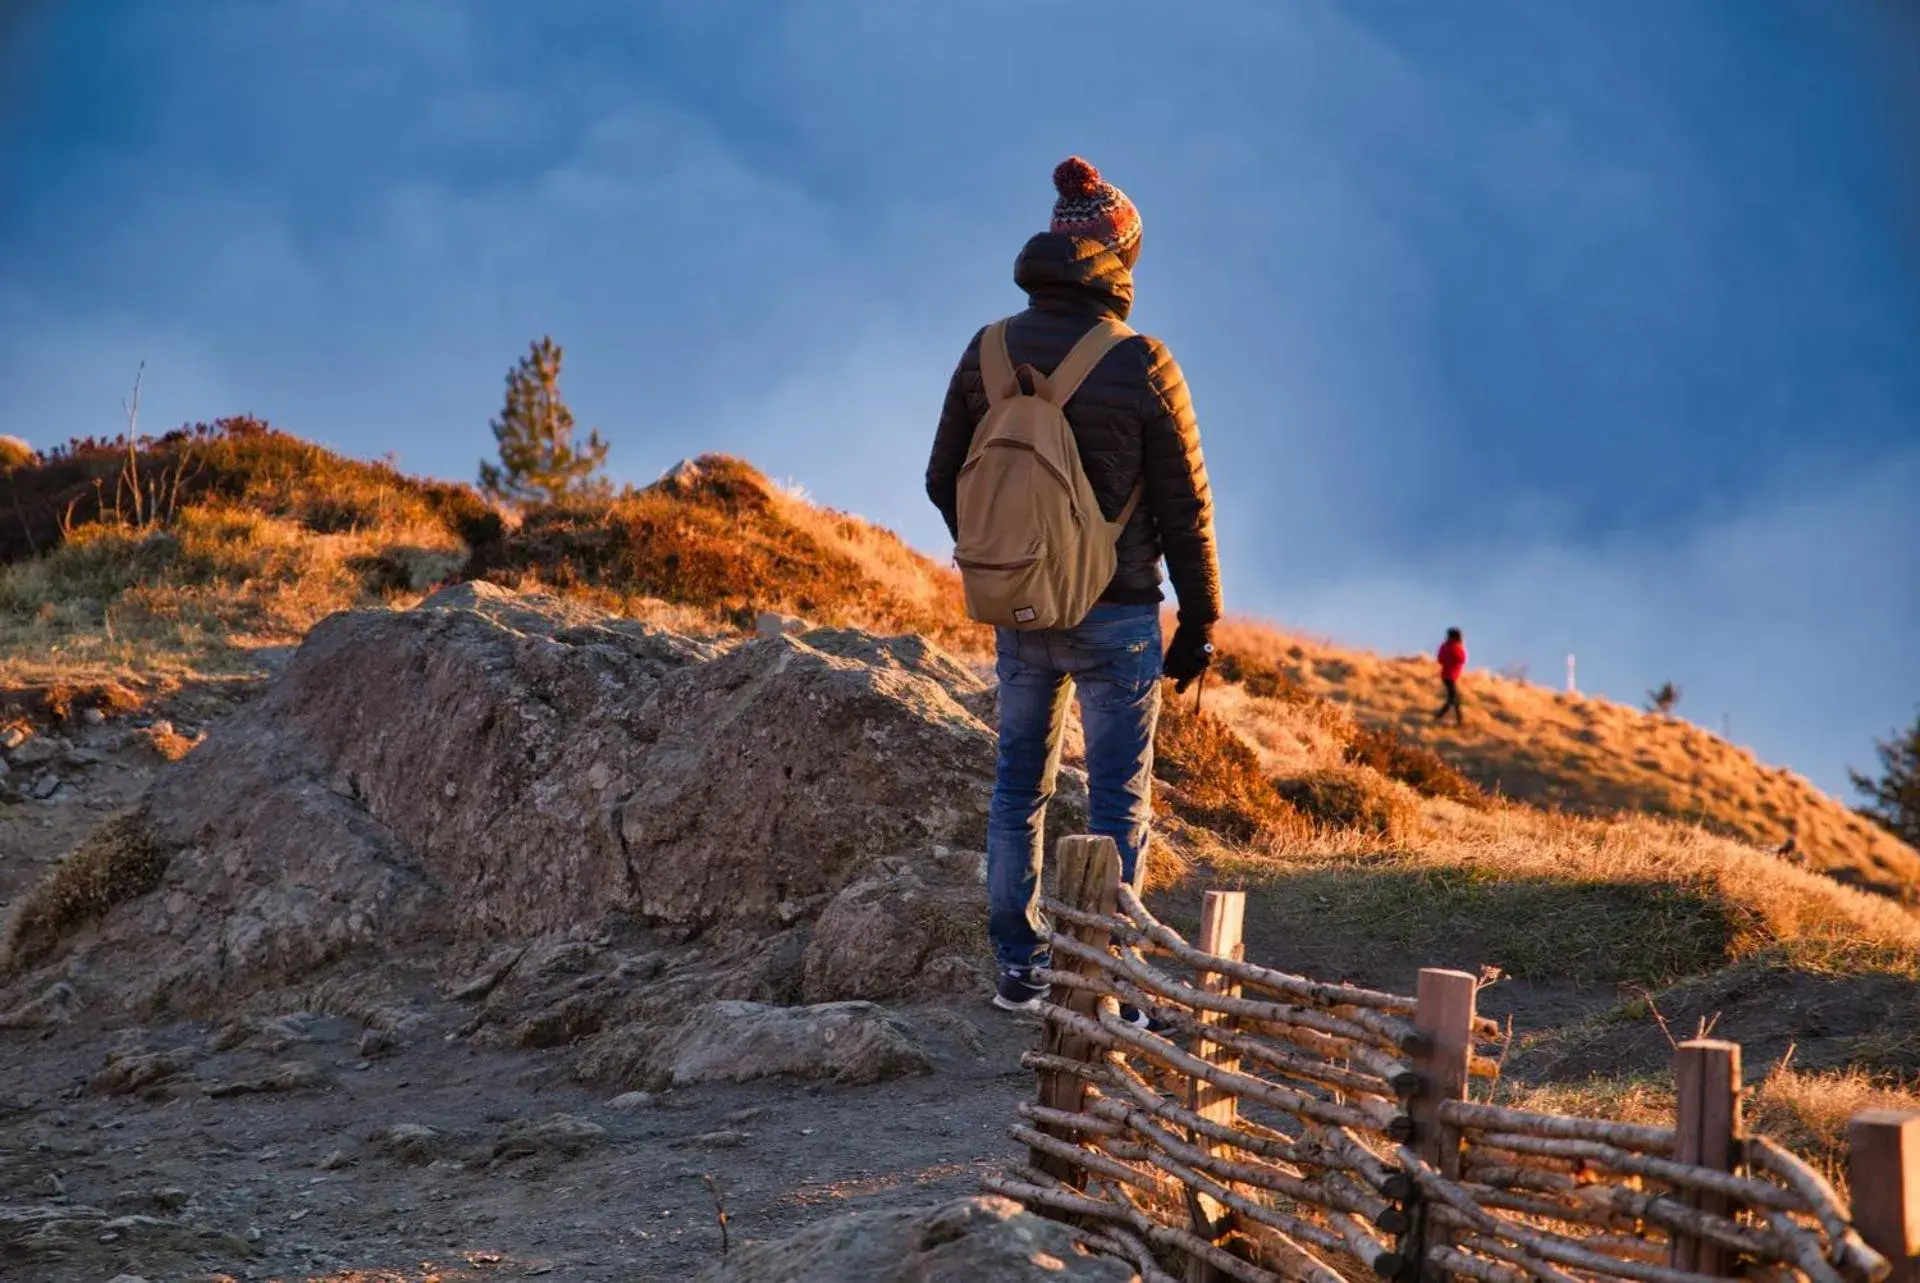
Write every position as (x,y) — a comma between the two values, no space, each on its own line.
(1132,418)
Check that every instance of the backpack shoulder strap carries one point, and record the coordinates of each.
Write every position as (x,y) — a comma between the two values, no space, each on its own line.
(996,366)
(1078,364)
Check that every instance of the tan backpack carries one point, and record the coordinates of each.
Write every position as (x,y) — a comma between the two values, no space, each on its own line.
(1034,550)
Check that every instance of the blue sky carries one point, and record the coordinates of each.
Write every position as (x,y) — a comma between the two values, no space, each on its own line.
(1589,328)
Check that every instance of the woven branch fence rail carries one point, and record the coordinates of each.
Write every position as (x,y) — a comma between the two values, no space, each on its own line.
(1279,1128)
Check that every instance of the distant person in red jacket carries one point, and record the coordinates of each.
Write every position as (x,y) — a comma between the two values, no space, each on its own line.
(1453,662)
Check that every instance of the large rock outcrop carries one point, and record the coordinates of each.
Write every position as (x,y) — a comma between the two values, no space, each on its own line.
(491,765)
(909,925)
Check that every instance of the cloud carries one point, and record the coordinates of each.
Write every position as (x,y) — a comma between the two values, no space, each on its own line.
(1792,618)
(1473,338)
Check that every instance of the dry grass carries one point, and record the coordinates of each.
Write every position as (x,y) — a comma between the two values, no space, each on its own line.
(169,743)
(1302,730)
(264,536)
(1807,1111)
(1353,798)
(1562,898)
(718,537)
(238,462)
(1647,1100)
(272,534)
(117,862)
(1589,755)
(201,596)
(1541,894)
(922,589)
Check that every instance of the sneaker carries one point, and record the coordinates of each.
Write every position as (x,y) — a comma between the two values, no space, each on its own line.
(1018,990)
(1142,1021)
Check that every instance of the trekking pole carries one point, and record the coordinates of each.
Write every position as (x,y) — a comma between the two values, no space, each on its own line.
(1201,692)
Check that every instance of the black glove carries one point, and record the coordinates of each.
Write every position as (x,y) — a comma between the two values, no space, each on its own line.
(1190,654)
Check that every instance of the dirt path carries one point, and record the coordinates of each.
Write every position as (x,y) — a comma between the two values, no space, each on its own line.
(445,1156)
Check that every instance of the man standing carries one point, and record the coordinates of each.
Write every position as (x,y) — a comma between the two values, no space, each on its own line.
(1453,661)
(1133,425)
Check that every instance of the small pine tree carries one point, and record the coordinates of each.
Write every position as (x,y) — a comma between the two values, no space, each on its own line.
(539,461)
(1896,794)
(1662,698)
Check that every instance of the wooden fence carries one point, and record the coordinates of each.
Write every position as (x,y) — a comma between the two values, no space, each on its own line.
(1283,1128)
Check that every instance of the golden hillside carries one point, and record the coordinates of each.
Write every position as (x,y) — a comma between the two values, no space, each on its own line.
(250,535)
(1339,796)
(1593,757)
(245,537)
(1310,779)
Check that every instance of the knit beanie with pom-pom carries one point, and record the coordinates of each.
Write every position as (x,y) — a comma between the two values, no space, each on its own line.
(1093,209)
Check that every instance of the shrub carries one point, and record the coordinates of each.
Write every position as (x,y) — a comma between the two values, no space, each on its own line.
(1261,678)
(64,701)
(96,564)
(714,534)
(1350,797)
(1415,765)
(402,569)
(1216,778)
(240,461)
(118,862)
(15,453)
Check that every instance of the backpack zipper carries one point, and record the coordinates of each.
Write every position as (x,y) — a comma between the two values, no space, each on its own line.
(1045,463)
(964,564)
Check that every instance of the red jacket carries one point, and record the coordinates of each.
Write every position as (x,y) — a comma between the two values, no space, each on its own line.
(1453,660)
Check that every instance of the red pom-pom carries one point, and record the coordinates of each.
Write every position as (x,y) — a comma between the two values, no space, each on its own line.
(1075,177)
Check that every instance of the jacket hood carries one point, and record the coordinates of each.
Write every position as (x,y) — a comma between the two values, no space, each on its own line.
(1076,275)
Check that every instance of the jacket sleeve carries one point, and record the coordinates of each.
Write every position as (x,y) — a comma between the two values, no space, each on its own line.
(1177,492)
(954,438)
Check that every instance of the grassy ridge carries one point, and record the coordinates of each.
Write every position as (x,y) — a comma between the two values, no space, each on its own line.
(717,536)
(1593,757)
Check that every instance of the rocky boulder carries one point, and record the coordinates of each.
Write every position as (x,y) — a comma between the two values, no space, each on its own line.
(911,925)
(497,765)
(849,1042)
(967,1241)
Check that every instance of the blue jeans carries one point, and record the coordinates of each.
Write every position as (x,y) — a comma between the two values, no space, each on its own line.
(1113,660)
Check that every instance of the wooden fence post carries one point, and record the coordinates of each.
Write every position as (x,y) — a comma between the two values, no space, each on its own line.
(1089,880)
(1883,1167)
(1444,1017)
(1443,1014)
(1222,917)
(1706,1081)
